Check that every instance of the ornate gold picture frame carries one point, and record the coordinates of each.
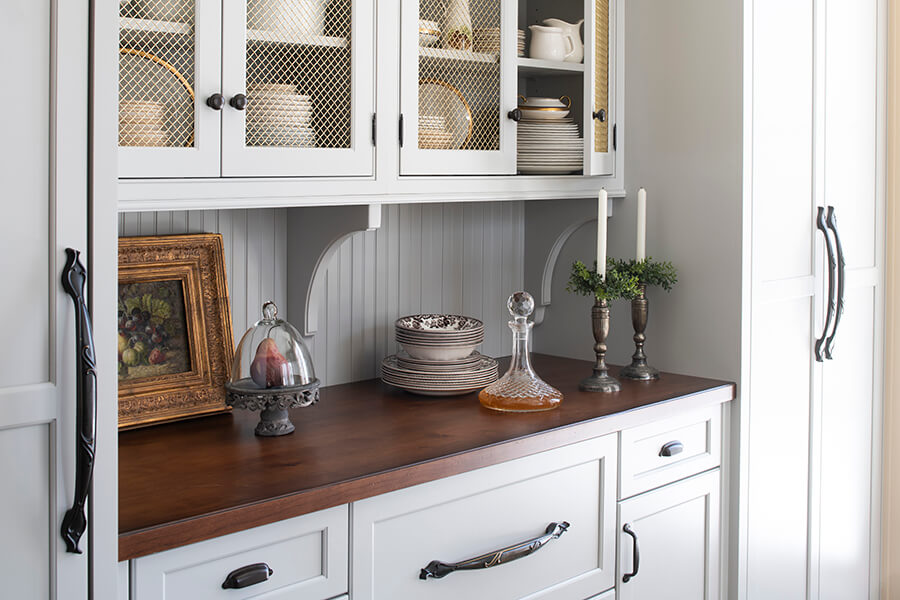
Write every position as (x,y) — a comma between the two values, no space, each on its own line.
(175,339)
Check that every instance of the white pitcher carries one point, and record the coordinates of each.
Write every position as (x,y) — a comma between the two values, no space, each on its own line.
(572,34)
(548,43)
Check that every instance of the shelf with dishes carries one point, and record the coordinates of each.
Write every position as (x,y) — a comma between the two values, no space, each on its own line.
(296,37)
(451,54)
(549,68)
(548,140)
(136,25)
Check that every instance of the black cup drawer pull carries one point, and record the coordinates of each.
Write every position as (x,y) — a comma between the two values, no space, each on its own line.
(671,448)
(438,569)
(247,576)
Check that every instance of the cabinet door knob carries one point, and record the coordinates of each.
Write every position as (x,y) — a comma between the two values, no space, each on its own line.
(671,448)
(515,114)
(247,576)
(600,115)
(238,101)
(216,101)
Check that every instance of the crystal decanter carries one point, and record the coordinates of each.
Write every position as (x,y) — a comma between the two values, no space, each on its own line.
(520,389)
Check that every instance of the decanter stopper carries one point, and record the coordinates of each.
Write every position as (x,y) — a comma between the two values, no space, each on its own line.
(520,389)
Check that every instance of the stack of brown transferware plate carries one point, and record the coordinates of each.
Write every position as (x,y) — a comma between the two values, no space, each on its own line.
(142,123)
(439,357)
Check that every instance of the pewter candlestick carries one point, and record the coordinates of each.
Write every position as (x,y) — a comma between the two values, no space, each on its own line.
(639,369)
(600,381)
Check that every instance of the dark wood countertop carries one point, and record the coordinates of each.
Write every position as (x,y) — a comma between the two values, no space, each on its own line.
(194,480)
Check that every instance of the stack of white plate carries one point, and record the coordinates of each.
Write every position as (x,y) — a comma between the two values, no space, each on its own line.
(433,133)
(487,40)
(449,382)
(520,42)
(278,116)
(142,123)
(549,147)
(439,357)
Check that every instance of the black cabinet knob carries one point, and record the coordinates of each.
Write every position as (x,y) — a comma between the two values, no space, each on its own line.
(216,101)
(600,115)
(515,114)
(238,101)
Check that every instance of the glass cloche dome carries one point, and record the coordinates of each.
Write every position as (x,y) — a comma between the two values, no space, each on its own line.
(271,355)
(272,372)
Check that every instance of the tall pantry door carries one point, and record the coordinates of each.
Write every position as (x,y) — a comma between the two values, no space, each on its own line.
(848,416)
(785,254)
(810,422)
(44,170)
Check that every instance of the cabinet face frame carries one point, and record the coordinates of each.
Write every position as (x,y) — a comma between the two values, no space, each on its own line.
(240,160)
(416,161)
(203,159)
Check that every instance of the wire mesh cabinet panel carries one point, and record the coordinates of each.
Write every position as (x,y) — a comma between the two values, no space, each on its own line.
(299,88)
(458,82)
(600,65)
(169,65)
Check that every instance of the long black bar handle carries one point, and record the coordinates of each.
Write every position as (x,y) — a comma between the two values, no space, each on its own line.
(821,226)
(635,554)
(831,221)
(74,277)
(438,569)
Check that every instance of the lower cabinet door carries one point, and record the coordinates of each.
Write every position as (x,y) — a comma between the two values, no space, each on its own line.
(669,542)
(304,558)
(402,539)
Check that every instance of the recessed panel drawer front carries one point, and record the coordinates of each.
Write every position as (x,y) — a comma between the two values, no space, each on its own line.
(476,514)
(658,453)
(307,557)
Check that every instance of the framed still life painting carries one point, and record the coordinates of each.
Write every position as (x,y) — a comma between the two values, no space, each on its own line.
(174,328)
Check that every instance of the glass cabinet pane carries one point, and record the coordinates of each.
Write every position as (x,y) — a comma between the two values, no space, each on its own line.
(459,75)
(156,73)
(298,74)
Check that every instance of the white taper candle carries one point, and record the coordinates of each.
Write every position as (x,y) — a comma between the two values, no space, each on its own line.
(601,233)
(641,250)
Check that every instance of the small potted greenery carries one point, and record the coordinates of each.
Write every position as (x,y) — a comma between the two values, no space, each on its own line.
(614,285)
(646,272)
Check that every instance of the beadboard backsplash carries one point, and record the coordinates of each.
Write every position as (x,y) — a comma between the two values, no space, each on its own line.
(452,258)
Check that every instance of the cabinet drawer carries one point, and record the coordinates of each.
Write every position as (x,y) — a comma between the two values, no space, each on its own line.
(694,443)
(307,556)
(465,516)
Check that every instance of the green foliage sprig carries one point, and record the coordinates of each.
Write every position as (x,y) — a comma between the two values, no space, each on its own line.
(587,282)
(648,272)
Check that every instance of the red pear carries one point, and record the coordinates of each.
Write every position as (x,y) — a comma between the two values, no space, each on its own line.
(269,367)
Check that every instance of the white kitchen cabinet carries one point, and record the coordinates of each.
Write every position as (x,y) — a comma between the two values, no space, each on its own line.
(304,558)
(669,542)
(811,409)
(47,395)
(253,88)
(396,536)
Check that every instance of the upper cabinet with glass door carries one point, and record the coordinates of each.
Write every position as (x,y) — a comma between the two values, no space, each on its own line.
(298,75)
(246,88)
(566,75)
(457,86)
(169,62)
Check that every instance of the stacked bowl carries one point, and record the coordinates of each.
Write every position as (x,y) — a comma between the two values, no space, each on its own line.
(439,357)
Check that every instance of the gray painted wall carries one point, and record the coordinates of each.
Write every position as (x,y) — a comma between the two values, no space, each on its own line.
(686,151)
(453,258)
